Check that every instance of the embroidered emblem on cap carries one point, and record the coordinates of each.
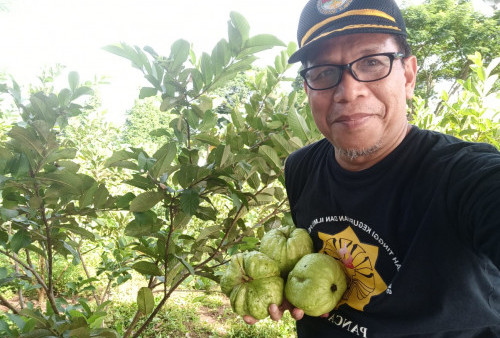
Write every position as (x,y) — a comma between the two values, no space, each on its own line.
(332,6)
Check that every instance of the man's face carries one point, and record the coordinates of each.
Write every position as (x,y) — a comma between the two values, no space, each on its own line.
(364,121)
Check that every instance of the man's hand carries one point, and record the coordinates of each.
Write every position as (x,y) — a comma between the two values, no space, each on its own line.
(276,312)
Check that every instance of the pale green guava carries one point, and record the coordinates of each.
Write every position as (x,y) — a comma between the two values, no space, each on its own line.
(316,284)
(286,245)
(252,282)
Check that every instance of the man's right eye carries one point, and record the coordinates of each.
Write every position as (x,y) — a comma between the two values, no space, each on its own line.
(322,74)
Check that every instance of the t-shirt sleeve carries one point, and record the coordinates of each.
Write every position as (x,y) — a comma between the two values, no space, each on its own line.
(476,192)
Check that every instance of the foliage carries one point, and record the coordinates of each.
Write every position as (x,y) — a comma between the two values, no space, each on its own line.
(442,33)
(237,160)
(467,115)
(222,175)
(45,202)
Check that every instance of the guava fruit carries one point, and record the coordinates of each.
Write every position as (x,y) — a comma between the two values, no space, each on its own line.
(316,284)
(286,245)
(252,282)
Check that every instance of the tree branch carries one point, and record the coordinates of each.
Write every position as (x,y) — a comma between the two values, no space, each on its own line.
(11,307)
(87,273)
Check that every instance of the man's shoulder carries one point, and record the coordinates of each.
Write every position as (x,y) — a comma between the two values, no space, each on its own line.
(445,145)
(308,152)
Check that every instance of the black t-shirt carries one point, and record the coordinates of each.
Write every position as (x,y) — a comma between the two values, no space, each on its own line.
(418,235)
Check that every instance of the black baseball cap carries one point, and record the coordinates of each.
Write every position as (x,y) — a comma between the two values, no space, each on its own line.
(325,19)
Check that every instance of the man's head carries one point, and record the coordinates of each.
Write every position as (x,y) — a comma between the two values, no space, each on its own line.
(358,75)
(324,19)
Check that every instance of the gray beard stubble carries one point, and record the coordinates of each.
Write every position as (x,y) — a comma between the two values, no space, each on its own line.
(352,154)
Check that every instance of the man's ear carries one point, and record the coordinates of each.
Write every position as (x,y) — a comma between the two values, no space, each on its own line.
(410,75)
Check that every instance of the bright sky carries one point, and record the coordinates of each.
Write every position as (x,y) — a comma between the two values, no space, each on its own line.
(39,33)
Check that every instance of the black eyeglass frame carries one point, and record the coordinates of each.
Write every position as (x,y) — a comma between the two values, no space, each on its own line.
(348,66)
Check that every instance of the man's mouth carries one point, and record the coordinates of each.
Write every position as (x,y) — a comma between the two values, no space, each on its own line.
(352,120)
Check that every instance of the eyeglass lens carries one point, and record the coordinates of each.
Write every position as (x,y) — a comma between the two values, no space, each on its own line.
(365,69)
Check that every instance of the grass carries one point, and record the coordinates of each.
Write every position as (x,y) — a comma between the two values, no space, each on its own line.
(197,314)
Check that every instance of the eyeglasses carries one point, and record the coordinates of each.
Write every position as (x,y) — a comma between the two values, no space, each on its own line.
(368,68)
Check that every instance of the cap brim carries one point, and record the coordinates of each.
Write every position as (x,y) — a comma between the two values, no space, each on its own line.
(301,53)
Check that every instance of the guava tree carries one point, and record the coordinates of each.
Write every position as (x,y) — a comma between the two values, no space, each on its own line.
(472,113)
(224,174)
(442,33)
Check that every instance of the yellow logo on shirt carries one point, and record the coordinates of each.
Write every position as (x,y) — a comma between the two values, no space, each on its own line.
(358,260)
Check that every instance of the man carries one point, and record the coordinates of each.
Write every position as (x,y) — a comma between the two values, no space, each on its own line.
(413,215)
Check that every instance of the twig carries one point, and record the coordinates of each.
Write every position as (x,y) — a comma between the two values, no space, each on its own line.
(9,305)
(87,273)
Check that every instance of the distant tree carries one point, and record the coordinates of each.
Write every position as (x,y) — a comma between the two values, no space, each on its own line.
(146,125)
(442,33)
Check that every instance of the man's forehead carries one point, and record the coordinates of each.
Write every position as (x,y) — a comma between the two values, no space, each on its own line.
(355,44)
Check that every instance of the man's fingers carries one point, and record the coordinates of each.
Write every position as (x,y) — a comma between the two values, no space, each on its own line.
(275,312)
(325,315)
(297,314)
(249,320)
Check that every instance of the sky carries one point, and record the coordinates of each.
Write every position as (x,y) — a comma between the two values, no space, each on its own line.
(40,33)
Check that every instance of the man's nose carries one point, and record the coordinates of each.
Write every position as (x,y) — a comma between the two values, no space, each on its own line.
(348,88)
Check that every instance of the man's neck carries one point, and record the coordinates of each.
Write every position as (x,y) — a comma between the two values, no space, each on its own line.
(351,161)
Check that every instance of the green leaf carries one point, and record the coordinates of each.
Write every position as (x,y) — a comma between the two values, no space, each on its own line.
(254,181)
(144,60)
(125,51)
(73,80)
(144,224)
(206,68)
(145,300)
(235,39)
(208,139)
(79,230)
(147,92)
(197,80)
(237,118)
(190,200)
(101,196)
(271,156)
(123,202)
(225,155)
(88,195)
(27,139)
(81,91)
(147,268)
(140,182)
(241,24)
(264,41)
(64,97)
(221,55)
(186,264)
(145,201)
(120,159)
(8,214)
(298,125)
(179,53)
(206,213)
(58,154)
(21,239)
(164,157)
(209,232)
(64,181)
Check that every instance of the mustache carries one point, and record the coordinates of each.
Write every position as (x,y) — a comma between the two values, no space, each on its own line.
(346,113)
